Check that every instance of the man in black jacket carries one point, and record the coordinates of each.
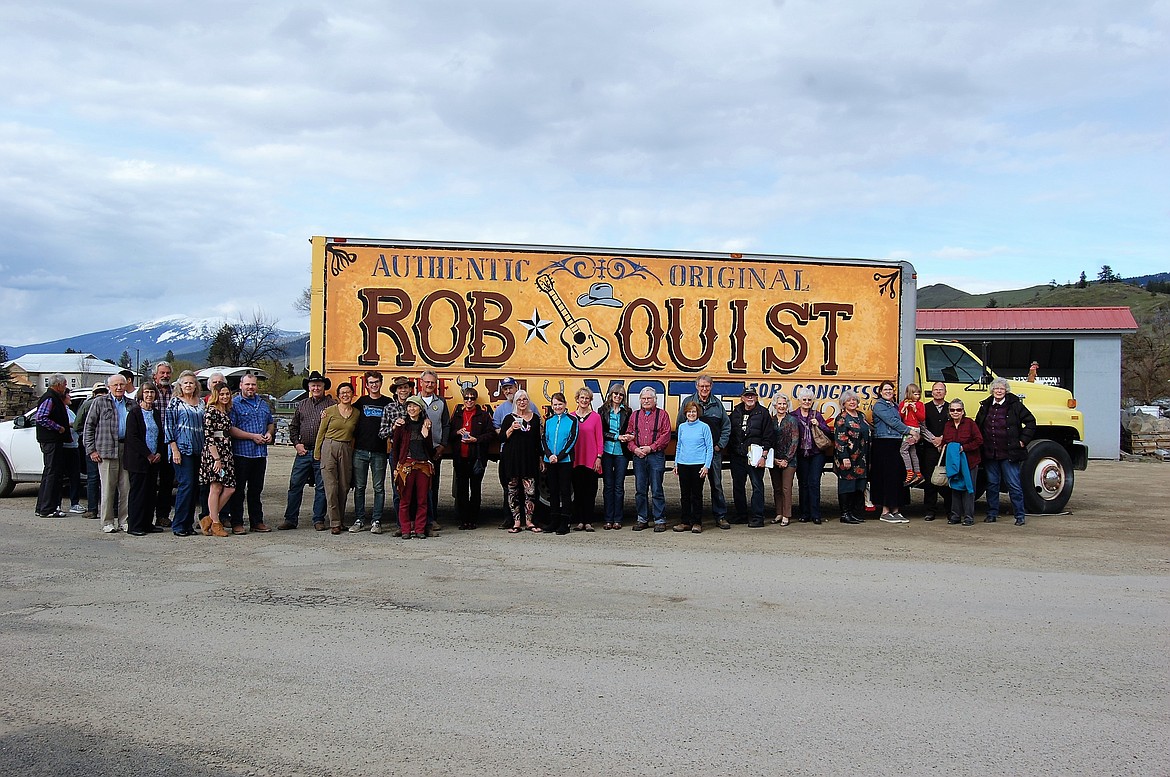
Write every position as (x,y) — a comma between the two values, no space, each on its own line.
(52,421)
(750,425)
(1007,426)
(930,450)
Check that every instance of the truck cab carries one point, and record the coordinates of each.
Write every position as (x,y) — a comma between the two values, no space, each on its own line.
(1058,448)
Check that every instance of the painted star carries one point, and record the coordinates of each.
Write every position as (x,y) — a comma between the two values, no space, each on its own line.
(535,326)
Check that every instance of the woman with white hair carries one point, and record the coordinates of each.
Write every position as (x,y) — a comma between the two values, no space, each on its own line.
(784,470)
(1007,426)
(851,433)
(810,460)
(521,461)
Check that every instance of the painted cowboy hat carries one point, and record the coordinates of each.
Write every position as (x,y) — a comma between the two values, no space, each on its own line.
(599,294)
(316,377)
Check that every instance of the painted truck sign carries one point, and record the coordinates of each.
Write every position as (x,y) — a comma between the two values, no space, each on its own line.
(558,317)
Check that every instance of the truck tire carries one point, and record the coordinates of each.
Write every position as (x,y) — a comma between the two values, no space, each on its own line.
(1046,478)
(6,481)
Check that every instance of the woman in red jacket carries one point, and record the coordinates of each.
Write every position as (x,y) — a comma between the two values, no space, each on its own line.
(963,432)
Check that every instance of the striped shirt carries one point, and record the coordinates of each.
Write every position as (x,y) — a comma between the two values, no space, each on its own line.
(183,424)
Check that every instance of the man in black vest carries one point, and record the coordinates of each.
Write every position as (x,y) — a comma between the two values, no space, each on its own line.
(930,450)
(52,420)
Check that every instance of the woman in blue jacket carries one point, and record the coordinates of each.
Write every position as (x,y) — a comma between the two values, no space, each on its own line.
(887,473)
(560,435)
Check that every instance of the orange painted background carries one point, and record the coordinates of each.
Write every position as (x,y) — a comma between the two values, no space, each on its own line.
(563,319)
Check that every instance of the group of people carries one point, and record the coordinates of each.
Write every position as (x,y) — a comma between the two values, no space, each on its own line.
(214,449)
(155,447)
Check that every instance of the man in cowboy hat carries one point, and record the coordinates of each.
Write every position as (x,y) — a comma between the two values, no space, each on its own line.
(302,432)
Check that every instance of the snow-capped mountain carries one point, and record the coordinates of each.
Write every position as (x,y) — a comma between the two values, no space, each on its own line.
(148,340)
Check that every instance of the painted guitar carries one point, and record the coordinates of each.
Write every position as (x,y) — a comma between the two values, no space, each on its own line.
(586,348)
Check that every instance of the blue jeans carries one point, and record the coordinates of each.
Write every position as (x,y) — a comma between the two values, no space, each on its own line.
(187,492)
(808,471)
(998,471)
(741,472)
(306,471)
(249,484)
(715,478)
(613,474)
(93,485)
(366,463)
(648,474)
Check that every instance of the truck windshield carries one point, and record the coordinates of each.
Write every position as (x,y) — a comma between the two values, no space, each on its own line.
(951,364)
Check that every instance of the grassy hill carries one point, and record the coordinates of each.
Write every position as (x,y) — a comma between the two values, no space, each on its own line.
(941,295)
(1145,355)
(1144,304)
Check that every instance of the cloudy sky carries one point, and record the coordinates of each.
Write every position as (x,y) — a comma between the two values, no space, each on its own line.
(161,158)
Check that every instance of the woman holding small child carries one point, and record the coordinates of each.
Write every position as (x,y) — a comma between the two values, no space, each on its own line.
(887,475)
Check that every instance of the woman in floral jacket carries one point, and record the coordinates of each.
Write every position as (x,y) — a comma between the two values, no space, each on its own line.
(851,460)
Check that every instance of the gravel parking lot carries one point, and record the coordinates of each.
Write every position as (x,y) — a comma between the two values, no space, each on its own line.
(876,649)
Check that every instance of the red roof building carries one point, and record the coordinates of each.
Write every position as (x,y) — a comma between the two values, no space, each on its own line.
(1077,348)
(1033,320)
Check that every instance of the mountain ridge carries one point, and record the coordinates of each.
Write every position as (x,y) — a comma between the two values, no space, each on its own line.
(185,336)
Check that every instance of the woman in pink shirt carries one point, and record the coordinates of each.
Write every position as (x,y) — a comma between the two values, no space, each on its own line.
(586,460)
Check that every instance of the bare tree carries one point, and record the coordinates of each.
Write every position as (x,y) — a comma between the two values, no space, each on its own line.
(304,302)
(1145,359)
(247,342)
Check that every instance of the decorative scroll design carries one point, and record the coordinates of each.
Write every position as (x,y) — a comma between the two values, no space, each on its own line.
(614,268)
(889,283)
(339,260)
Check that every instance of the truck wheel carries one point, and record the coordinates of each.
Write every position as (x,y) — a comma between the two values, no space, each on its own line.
(1046,477)
(6,481)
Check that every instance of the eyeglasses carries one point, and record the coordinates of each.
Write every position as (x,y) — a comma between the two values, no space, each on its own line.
(956,410)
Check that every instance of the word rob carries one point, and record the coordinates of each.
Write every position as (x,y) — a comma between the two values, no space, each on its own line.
(476,328)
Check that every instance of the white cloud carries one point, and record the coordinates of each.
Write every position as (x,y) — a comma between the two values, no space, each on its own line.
(214,138)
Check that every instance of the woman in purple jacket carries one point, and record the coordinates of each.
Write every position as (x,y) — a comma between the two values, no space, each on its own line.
(809,459)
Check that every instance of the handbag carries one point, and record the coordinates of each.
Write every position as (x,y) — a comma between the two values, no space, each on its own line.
(820,439)
(939,476)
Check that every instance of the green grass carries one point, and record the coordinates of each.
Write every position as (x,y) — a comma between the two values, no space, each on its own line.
(1142,303)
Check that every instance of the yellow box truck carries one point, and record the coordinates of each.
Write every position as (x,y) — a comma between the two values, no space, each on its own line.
(559,317)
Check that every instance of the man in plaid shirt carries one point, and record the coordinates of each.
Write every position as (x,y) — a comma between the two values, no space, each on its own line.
(400,389)
(252,430)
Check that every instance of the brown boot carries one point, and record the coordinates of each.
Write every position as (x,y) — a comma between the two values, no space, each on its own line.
(217,530)
(205,525)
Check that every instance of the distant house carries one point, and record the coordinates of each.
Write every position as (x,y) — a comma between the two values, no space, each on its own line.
(288,402)
(81,370)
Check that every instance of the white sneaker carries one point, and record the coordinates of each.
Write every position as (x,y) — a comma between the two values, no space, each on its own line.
(376,527)
(76,509)
(357,527)
(109,528)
